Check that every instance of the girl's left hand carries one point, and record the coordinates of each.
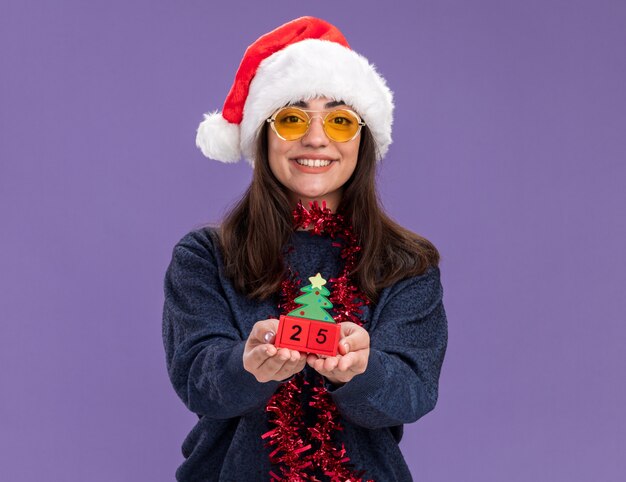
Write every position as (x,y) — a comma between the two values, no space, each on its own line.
(354,352)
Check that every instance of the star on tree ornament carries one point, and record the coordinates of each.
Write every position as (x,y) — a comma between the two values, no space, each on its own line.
(317,281)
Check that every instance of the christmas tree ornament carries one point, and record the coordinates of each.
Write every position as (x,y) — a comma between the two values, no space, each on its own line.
(310,328)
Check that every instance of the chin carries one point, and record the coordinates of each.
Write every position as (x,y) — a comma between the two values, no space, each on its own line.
(315,192)
(311,192)
(305,200)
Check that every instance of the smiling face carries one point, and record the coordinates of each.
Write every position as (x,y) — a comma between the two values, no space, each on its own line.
(313,168)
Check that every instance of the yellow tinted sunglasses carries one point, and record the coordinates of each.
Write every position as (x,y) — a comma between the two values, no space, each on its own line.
(292,123)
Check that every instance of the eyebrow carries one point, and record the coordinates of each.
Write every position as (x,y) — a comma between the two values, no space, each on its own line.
(328,105)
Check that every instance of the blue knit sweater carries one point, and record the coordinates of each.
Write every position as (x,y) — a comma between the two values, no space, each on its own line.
(205,325)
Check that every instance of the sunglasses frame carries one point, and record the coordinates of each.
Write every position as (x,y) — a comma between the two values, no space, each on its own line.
(272,119)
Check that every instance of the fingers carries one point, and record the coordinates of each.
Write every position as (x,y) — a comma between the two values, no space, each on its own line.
(354,337)
(253,358)
(264,360)
(322,365)
(259,344)
(270,350)
(263,331)
(352,362)
(282,356)
(282,364)
(290,368)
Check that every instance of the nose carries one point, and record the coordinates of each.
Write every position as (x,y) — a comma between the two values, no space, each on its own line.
(315,136)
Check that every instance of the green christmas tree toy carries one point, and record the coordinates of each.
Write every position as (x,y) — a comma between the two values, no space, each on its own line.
(310,328)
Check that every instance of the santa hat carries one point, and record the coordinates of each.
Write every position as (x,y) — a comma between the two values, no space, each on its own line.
(300,60)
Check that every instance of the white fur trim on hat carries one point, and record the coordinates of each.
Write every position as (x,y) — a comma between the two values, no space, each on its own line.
(218,139)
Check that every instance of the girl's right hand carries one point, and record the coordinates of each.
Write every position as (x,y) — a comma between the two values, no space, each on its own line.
(264,360)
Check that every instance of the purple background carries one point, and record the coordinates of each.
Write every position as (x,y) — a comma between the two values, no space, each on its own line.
(509,155)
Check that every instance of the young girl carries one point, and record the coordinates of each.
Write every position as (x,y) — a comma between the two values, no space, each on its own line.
(313,118)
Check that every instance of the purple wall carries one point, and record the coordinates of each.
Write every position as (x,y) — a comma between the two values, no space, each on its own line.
(509,155)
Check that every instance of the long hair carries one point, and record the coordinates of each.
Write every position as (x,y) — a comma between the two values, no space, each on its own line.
(255,231)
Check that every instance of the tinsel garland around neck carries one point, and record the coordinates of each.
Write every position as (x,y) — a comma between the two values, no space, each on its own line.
(300,452)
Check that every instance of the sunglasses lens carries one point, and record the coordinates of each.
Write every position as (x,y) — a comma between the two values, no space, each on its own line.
(341,125)
(291,123)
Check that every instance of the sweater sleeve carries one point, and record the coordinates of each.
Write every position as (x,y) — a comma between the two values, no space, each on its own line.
(204,349)
(408,341)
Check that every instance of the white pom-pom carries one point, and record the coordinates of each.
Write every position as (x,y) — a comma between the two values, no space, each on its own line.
(218,139)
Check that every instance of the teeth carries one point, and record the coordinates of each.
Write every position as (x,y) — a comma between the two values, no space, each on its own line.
(313,162)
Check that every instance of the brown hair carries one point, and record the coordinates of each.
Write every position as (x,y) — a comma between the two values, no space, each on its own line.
(255,231)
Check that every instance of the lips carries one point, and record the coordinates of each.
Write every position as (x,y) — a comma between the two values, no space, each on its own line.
(312,159)
(313,164)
